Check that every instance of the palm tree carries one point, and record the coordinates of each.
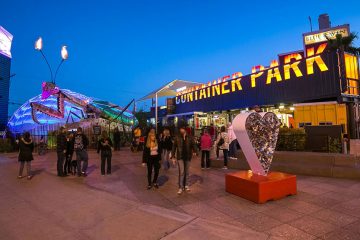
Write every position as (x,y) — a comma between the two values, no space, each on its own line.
(344,44)
(341,45)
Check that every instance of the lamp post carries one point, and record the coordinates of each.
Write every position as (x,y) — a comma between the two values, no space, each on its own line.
(64,56)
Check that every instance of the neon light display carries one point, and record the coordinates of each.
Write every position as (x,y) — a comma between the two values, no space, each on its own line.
(232,84)
(61,106)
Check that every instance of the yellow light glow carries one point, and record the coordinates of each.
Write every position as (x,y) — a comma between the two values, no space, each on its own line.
(315,59)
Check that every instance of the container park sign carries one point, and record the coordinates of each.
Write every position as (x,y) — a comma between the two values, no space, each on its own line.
(291,78)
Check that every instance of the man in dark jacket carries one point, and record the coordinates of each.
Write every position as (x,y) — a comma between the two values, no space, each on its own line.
(61,150)
(183,148)
(117,139)
(81,143)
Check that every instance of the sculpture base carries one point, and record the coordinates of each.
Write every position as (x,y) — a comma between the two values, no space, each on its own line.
(260,189)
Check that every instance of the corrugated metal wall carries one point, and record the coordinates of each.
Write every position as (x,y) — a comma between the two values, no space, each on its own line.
(314,87)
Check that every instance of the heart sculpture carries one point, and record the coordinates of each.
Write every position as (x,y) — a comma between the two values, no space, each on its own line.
(257,135)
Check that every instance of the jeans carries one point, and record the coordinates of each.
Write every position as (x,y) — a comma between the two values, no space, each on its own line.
(28,168)
(232,148)
(67,165)
(60,163)
(226,154)
(205,159)
(153,163)
(82,156)
(165,158)
(183,173)
(105,157)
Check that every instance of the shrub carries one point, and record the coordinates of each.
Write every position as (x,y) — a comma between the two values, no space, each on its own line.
(291,139)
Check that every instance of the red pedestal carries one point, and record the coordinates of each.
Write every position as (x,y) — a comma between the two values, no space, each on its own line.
(260,189)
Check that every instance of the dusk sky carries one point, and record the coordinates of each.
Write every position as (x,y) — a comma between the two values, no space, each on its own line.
(120,50)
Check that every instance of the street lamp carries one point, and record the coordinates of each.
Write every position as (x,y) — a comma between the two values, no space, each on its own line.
(64,56)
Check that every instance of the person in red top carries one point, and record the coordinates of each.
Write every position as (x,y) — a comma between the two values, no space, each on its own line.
(206,144)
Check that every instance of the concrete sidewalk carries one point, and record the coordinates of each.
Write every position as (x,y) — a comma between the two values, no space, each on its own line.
(120,207)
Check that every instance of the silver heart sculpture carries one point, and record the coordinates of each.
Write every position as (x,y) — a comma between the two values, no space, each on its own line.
(257,135)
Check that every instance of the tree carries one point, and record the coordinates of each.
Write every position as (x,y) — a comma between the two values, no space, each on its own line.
(142,117)
(341,45)
(344,43)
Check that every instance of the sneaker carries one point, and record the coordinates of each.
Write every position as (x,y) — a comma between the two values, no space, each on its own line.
(156,185)
(202,168)
(180,191)
(19,177)
(29,177)
(225,167)
(84,174)
(149,187)
(187,188)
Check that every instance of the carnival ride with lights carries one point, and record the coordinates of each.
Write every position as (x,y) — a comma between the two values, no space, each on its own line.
(55,107)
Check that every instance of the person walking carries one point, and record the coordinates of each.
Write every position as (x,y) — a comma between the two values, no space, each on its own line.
(105,146)
(222,142)
(81,143)
(117,139)
(151,131)
(205,146)
(183,148)
(26,148)
(152,157)
(69,153)
(166,146)
(61,150)
(233,142)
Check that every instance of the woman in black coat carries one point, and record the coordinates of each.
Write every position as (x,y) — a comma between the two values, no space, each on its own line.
(152,156)
(26,147)
(105,146)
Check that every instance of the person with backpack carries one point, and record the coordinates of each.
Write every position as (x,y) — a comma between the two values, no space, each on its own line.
(81,143)
(222,142)
(105,146)
(26,148)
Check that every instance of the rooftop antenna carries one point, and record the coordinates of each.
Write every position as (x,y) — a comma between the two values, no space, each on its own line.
(310,24)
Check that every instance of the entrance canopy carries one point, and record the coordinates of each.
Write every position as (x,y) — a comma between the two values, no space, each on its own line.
(170,89)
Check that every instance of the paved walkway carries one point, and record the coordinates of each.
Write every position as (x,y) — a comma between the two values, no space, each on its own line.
(120,207)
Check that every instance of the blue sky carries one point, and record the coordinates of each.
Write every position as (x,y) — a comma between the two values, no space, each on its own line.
(119,50)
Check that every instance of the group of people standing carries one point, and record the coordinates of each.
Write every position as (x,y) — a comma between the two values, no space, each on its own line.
(171,150)
(66,145)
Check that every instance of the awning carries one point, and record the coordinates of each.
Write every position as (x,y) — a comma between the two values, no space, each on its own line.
(184,114)
(169,89)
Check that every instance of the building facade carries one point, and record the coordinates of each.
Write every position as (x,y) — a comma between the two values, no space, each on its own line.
(5,65)
(317,85)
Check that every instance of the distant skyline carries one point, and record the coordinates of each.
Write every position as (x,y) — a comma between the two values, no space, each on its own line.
(120,50)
